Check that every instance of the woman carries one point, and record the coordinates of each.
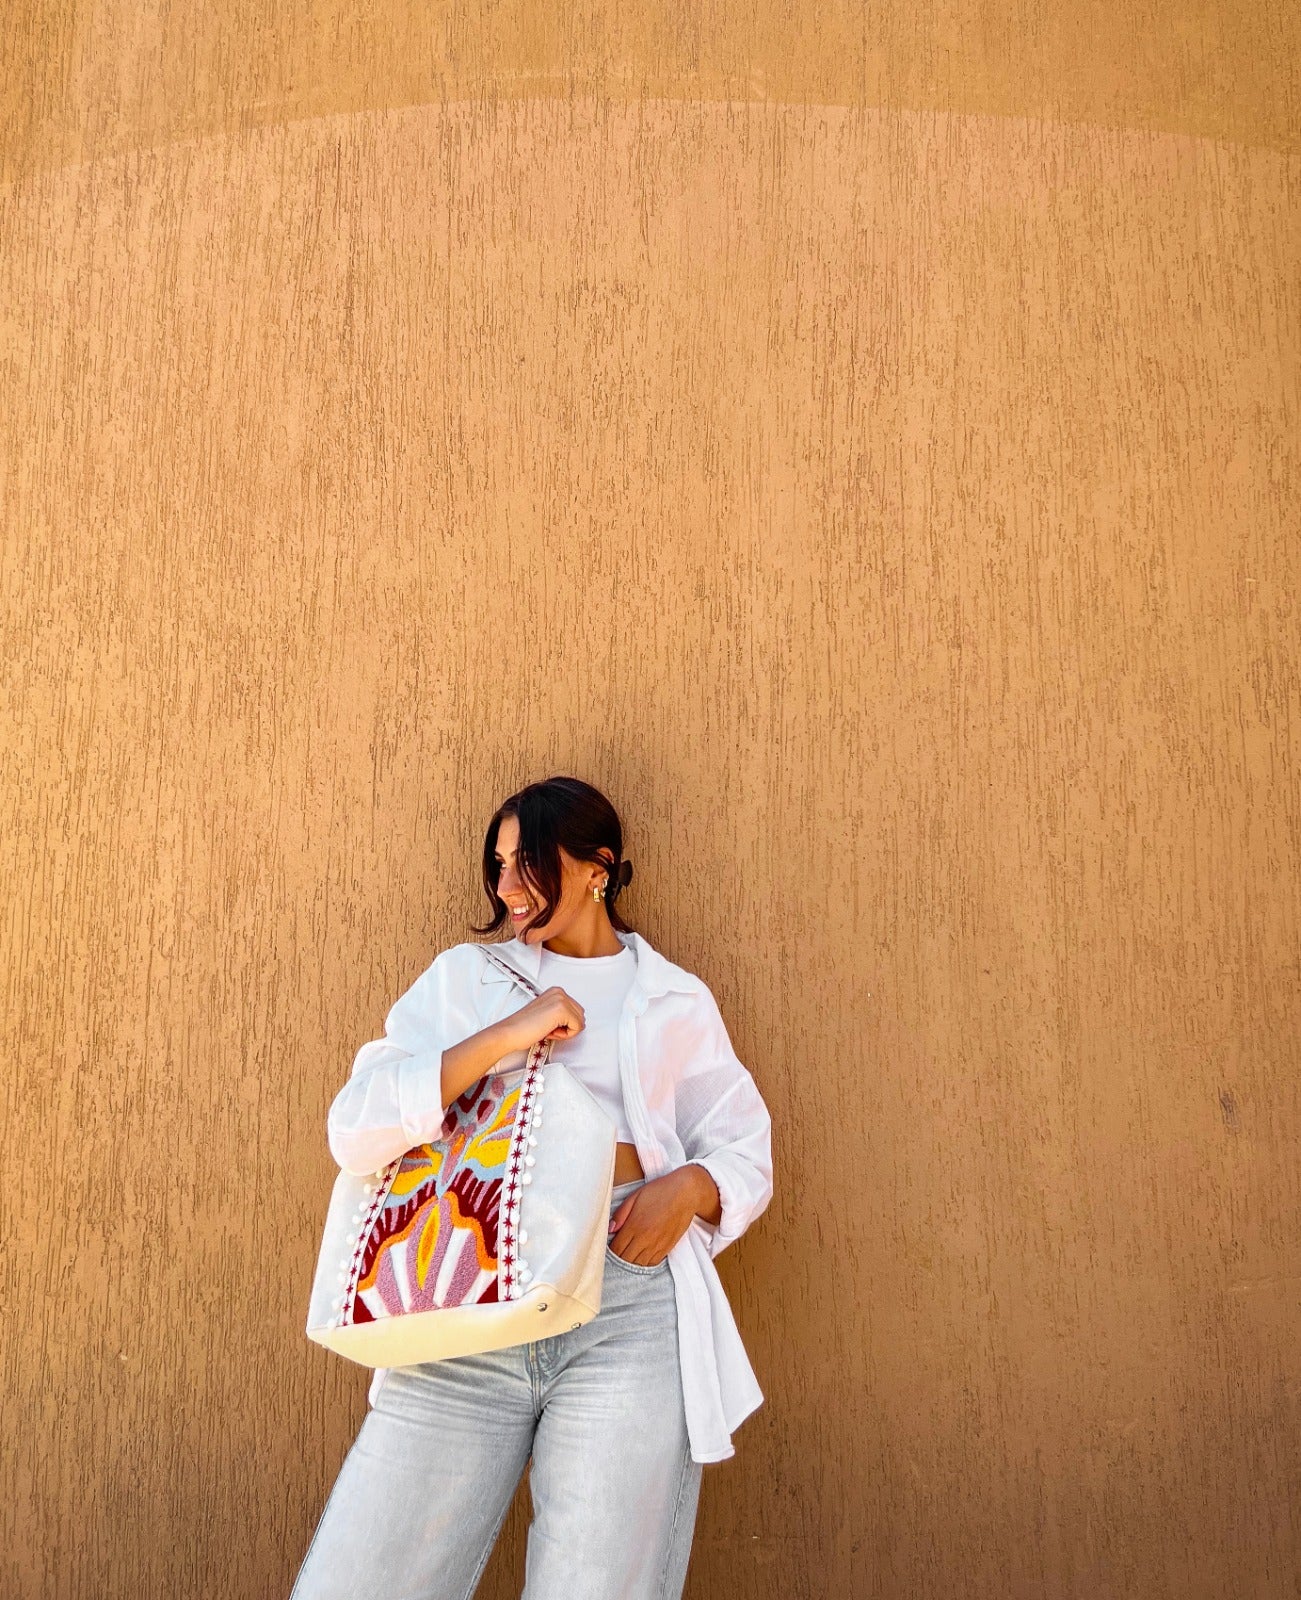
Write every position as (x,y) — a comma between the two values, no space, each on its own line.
(615,1418)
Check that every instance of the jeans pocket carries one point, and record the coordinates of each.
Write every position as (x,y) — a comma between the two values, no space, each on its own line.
(631,1266)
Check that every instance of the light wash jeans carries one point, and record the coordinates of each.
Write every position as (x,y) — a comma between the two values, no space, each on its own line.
(421,1496)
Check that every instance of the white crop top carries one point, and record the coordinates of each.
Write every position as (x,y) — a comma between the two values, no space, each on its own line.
(599,984)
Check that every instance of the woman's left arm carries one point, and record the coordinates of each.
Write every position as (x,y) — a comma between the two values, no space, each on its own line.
(725,1127)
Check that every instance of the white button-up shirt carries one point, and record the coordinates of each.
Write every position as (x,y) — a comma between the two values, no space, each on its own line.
(688,1099)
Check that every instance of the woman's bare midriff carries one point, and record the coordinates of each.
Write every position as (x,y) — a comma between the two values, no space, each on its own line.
(627,1164)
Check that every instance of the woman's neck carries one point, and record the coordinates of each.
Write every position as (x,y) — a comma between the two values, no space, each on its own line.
(586,942)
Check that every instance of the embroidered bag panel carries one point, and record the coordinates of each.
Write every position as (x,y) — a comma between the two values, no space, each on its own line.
(432,1242)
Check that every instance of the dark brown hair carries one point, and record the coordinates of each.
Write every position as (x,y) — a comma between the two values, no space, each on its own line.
(552,813)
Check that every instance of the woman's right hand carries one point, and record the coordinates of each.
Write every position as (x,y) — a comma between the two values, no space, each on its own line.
(551,1015)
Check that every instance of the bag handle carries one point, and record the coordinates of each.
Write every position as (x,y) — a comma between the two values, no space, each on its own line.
(506,966)
(540,1051)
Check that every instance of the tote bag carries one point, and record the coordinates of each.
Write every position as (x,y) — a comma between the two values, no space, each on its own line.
(493,1234)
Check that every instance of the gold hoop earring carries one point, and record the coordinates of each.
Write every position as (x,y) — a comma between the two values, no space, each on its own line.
(597,892)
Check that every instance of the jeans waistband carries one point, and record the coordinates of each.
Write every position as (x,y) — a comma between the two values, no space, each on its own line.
(621,1191)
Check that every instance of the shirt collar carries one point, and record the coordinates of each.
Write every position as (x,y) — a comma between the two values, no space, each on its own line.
(655,973)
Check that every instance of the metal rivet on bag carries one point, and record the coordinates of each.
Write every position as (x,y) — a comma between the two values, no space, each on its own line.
(542,1306)
(574,1325)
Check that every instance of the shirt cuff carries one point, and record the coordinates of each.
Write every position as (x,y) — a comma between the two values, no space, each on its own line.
(731,1224)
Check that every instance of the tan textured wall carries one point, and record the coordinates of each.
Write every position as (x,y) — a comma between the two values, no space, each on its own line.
(893,502)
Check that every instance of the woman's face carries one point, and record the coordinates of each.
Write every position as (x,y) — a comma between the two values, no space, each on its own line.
(577,879)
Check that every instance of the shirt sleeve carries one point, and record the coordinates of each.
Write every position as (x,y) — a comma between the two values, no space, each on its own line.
(393,1098)
(725,1127)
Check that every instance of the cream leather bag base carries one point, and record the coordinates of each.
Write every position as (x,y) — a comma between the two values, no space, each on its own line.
(494,1234)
